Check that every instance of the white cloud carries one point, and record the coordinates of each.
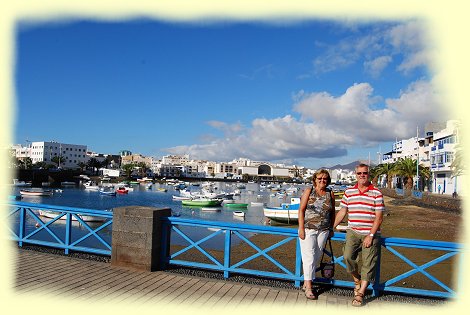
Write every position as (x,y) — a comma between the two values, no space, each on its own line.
(376,66)
(328,125)
(376,49)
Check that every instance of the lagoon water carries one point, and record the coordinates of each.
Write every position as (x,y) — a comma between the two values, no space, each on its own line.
(78,197)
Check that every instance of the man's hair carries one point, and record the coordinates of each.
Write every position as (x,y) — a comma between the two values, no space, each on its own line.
(361,165)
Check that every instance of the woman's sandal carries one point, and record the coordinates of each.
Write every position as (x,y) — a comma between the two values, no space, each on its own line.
(309,294)
(357,287)
(358,300)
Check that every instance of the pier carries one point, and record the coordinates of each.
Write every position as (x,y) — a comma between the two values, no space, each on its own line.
(80,280)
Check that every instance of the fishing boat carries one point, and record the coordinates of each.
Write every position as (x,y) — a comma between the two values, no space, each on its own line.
(236,205)
(91,186)
(86,218)
(36,193)
(286,213)
(202,202)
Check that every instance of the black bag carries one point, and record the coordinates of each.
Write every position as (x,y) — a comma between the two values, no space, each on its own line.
(328,268)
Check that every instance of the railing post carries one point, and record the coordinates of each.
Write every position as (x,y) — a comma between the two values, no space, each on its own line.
(376,285)
(68,231)
(298,263)
(228,238)
(137,237)
(22,226)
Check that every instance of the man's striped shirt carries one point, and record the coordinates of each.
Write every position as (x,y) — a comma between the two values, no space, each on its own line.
(361,207)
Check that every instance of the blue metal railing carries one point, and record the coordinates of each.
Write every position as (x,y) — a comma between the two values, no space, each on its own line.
(29,225)
(444,250)
(68,228)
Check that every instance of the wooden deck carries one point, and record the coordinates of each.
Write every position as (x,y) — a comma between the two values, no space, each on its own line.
(42,274)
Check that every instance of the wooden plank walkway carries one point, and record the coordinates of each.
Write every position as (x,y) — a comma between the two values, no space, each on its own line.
(44,274)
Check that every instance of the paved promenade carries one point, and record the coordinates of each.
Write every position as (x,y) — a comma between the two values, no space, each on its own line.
(75,279)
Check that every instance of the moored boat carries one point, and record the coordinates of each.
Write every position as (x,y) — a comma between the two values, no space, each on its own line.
(236,205)
(202,202)
(35,193)
(122,190)
(107,192)
(21,183)
(239,214)
(86,218)
(286,213)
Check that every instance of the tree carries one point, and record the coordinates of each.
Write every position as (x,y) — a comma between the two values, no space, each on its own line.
(81,165)
(58,159)
(142,168)
(94,164)
(387,170)
(128,169)
(407,168)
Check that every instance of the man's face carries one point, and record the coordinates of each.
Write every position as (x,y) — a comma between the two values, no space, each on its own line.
(362,175)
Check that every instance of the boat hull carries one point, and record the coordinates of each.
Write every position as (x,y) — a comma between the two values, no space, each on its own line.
(281,215)
(201,203)
(36,193)
(86,218)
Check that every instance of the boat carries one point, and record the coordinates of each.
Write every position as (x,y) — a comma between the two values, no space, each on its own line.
(67,183)
(257,204)
(21,183)
(86,218)
(107,192)
(210,209)
(160,189)
(122,190)
(236,205)
(179,198)
(286,213)
(239,213)
(202,202)
(91,186)
(36,193)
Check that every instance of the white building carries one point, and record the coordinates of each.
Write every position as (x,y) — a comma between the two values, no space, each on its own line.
(436,151)
(72,154)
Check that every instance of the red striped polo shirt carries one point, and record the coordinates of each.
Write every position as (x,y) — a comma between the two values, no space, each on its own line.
(362,207)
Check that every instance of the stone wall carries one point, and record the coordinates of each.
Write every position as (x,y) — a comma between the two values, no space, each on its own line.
(439,202)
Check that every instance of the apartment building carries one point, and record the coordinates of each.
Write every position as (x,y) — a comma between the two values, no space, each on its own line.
(44,151)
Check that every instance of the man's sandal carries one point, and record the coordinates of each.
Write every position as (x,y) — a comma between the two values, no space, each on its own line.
(357,286)
(358,300)
(309,294)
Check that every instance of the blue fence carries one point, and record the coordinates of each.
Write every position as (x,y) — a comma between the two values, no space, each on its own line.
(68,228)
(75,230)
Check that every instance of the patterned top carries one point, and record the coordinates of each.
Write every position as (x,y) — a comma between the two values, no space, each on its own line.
(362,207)
(318,211)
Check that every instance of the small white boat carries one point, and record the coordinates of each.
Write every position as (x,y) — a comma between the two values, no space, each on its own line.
(257,204)
(86,218)
(67,184)
(239,213)
(91,186)
(36,193)
(179,198)
(210,209)
(21,183)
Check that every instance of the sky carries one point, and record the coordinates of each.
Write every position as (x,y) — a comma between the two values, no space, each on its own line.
(313,93)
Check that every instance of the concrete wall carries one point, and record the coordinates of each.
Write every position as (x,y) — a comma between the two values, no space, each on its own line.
(137,237)
(436,201)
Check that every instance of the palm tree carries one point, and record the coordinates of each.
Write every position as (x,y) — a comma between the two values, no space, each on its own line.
(142,168)
(93,163)
(407,168)
(387,170)
(374,173)
(81,165)
(58,159)
(128,168)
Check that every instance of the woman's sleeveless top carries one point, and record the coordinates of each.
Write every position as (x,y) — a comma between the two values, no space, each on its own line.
(318,211)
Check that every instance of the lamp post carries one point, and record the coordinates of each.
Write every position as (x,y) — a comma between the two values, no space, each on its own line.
(417,158)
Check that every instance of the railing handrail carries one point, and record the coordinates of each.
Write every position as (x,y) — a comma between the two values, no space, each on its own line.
(103,213)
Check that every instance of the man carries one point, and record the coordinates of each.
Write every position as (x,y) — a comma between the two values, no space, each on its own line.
(364,205)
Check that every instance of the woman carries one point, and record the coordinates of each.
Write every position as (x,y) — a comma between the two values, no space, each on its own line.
(316,218)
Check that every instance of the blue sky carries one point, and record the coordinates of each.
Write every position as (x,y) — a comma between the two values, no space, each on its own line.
(313,93)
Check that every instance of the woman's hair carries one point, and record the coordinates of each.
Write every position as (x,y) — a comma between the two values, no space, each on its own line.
(322,171)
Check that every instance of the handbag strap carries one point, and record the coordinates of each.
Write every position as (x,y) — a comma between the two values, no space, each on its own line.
(331,251)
